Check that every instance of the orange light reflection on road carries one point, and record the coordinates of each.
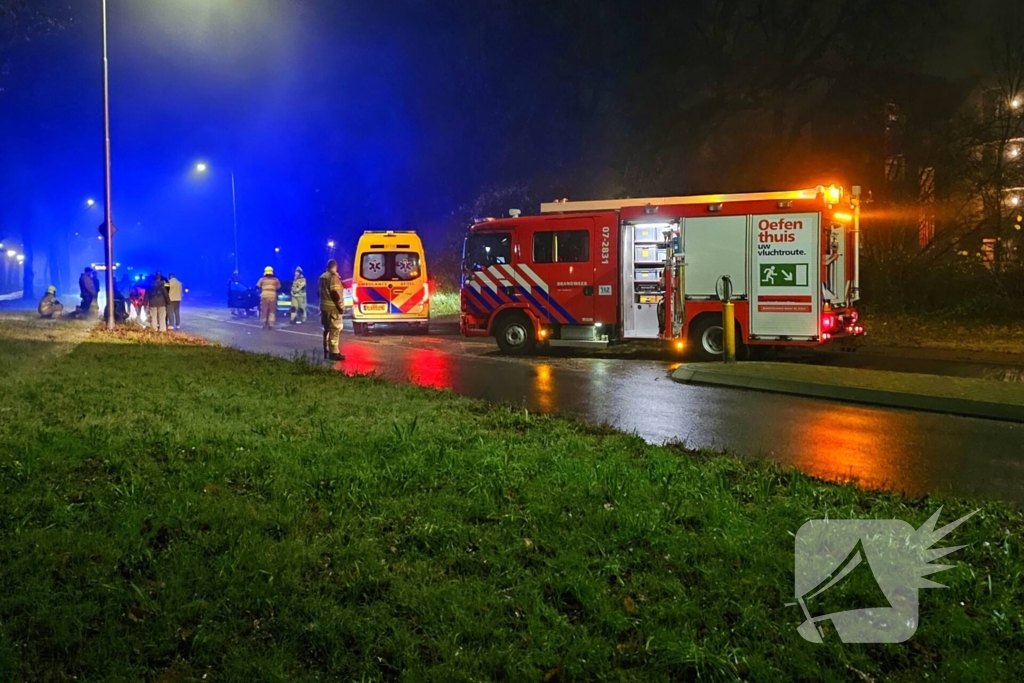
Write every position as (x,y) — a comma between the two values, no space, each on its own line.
(545,385)
(849,444)
(430,368)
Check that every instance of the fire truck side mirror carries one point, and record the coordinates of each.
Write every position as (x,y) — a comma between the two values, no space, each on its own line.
(724,288)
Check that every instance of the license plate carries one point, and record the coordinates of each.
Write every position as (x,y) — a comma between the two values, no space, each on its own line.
(374,308)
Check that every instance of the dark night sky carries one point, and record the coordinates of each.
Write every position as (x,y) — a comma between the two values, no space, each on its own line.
(334,116)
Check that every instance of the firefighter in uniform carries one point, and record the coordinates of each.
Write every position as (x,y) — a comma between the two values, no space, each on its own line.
(49,307)
(298,298)
(268,286)
(332,305)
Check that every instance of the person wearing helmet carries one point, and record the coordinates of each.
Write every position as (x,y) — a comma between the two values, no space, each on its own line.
(268,286)
(298,305)
(49,307)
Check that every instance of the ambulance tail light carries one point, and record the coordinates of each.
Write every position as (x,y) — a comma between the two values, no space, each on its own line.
(426,292)
(355,294)
(828,322)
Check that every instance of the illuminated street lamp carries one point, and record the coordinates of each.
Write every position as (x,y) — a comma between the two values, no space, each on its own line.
(90,202)
(202,167)
(11,253)
(330,244)
(1015,103)
(107,229)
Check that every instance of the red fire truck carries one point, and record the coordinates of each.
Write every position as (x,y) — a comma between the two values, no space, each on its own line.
(592,273)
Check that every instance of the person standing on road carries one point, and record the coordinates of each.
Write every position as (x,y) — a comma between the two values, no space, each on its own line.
(269,287)
(94,307)
(174,292)
(299,298)
(332,306)
(49,307)
(158,300)
(87,290)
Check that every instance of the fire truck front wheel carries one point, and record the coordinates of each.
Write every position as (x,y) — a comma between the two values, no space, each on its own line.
(514,335)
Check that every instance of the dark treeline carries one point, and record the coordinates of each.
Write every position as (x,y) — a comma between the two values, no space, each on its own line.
(427,113)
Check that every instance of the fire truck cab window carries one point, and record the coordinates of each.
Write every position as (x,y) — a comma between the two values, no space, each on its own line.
(561,246)
(484,250)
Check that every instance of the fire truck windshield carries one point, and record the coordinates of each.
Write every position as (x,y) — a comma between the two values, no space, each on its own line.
(484,250)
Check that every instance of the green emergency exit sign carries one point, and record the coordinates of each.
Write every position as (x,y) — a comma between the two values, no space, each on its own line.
(783,274)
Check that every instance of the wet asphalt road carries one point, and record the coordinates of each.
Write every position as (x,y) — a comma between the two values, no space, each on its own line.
(912,452)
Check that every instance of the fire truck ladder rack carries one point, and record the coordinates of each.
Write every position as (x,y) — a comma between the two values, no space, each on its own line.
(616,204)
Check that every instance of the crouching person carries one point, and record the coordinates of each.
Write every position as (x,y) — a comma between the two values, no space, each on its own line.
(49,307)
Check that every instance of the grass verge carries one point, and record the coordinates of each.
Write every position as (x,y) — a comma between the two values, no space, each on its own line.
(936,332)
(174,512)
(444,303)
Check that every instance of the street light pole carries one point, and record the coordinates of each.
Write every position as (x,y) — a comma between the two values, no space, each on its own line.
(108,218)
(234,217)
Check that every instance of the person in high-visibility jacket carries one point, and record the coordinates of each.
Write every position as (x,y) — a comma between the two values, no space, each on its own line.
(298,305)
(49,307)
(268,286)
(332,306)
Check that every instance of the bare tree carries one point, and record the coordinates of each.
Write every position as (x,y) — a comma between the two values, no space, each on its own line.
(21,21)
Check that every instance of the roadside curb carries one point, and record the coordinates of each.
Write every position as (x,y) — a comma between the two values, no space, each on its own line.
(877,397)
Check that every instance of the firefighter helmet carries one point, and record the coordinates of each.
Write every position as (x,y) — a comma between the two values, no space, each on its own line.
(51,290)
(268,271)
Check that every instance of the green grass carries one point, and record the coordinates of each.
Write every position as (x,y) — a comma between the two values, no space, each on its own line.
(180,513)
(966,388)
(939,332)
(444,303)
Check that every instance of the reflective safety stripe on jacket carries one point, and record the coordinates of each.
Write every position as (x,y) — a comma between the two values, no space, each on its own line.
(329,282)
(268,286)
(46,305)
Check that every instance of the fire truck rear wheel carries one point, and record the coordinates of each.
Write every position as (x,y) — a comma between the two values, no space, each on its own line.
(706,338)
(708,342)
(514,335)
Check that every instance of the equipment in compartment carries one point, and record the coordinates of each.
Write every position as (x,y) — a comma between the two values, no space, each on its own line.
(643,292)
(649,253)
